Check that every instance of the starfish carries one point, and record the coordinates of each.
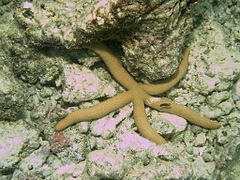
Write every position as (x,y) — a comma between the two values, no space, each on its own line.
(140,95)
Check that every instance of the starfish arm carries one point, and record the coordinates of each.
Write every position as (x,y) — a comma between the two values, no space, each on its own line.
(192,116)
(166,105)
(96,111)
(142,124)
(164,86)
(114,66)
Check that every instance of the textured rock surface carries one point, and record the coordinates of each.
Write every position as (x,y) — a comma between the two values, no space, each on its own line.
(35,62)
(106,126)
(76,148)
(8,5)
(12,91)
(36,159)
(156,46)
(81,84)
(12,95)
(167,124)
(105,164)
(17,139)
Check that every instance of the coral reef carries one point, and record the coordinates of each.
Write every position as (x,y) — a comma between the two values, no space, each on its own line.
(40,57)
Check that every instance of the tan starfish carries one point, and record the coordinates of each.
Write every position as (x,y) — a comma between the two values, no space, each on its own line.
(140,95)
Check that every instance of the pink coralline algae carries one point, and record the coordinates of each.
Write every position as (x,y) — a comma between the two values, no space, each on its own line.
(59,141)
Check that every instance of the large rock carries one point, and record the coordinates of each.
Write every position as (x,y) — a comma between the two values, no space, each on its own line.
(153,32)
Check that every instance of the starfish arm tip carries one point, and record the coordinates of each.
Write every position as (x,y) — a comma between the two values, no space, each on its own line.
(59,126)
